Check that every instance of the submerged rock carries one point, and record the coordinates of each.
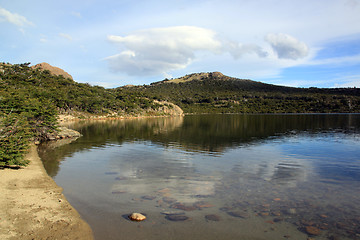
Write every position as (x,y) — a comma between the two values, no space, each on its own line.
(212,217)
(169,200)
(148,197)
(137,217)
(183,207)
(201,205)
(176,217)
(238,214)
(312,230)
(173,213)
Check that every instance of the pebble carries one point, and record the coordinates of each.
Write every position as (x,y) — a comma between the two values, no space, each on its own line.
(173,213)
(312,230)
(137,217)
(203,205)
(292,211)
(276,214)
(148,197)
(264,214)
(176,218)
(169,200)
(212,217)
(238,214)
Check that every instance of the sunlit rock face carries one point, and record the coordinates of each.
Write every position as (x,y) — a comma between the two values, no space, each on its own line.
(53,70)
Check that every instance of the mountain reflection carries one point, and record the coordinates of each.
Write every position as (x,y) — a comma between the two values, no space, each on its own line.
(211,134)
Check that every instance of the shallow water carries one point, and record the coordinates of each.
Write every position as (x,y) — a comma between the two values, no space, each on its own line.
(214,176)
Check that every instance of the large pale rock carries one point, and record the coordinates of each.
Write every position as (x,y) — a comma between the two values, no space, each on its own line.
(137,217)
(170,108)
(53,70)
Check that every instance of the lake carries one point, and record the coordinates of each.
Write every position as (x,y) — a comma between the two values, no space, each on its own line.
(214,176)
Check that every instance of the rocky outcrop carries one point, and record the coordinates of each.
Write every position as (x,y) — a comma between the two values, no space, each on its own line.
(61,133)
(53,70)
(199,76)
(64,132)
(169,108)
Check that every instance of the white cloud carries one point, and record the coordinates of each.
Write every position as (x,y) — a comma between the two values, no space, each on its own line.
(160,50)
(66,36)
(238,50)
(14,18)
(76,14)
(286,46)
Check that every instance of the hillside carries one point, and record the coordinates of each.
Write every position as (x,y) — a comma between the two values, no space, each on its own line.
(53,85)
(217,93)
(32,97)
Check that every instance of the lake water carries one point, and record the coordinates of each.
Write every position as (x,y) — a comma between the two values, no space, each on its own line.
(214,176)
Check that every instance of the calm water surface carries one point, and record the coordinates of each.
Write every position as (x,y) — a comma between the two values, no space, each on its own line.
(214,176)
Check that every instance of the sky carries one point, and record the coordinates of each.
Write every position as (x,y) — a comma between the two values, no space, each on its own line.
(111,43)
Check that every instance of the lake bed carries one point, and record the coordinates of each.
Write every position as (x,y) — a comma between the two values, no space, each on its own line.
(214,176)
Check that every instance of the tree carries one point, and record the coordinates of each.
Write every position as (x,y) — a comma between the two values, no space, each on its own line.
(14,140)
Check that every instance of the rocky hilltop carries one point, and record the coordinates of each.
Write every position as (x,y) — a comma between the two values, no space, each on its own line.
(200,76)
(53,70)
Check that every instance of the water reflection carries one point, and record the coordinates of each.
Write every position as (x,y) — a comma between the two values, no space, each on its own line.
(256,169)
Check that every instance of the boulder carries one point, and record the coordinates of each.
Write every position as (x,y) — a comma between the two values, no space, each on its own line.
(137,217)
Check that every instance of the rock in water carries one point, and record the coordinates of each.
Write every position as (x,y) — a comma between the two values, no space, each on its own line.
(238,214)
(137,217)
(176,218)
(212,217)
(312,230)
(148,197)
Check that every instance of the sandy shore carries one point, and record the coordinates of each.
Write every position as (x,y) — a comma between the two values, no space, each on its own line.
(33,206)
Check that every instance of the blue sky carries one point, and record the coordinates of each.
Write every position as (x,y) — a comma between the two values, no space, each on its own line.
(118,42)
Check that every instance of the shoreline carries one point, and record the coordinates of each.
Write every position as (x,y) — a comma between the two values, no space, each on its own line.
(64,118)
(33,206)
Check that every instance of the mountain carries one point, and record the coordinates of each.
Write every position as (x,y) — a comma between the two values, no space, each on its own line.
(225,82)
(216,93)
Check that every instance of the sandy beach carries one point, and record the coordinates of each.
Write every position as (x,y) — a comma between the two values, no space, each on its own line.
(33,206)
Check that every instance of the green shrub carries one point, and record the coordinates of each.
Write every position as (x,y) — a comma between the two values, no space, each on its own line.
(14,140)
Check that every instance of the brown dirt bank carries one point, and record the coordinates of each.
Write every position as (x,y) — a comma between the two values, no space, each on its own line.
(33,206)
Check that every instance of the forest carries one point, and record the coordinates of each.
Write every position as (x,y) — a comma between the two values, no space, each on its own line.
(31,99)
